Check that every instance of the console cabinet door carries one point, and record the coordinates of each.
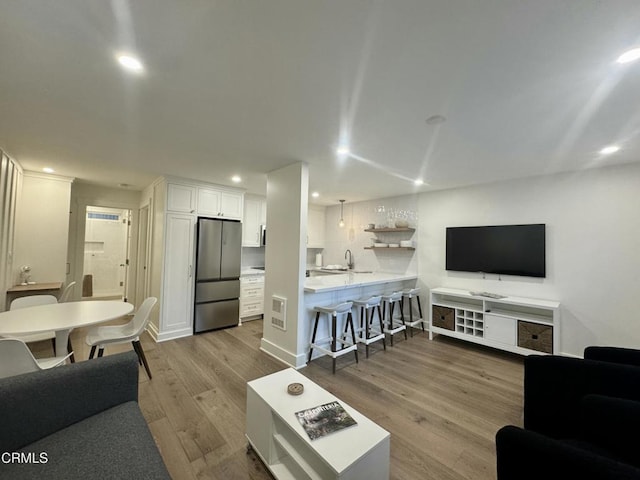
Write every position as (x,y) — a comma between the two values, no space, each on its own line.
(500,329)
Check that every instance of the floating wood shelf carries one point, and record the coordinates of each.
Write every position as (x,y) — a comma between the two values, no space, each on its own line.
(377,230)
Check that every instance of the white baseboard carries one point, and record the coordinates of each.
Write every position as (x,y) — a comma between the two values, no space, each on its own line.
(295,361)
(164,336)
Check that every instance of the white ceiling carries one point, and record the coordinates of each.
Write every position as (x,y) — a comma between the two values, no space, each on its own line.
(248,86)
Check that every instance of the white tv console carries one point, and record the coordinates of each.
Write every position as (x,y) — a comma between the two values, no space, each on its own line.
(515,324)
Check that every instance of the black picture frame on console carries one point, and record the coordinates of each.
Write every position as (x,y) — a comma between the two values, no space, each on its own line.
(500,249)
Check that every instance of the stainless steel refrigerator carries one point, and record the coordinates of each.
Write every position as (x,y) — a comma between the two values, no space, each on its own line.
(217,274)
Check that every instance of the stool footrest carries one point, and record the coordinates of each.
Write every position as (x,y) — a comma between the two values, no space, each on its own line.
(414,323)
(337,353)
(395,329)
(374,338)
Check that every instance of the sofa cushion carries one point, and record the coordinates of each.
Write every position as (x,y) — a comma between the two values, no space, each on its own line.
(113,444)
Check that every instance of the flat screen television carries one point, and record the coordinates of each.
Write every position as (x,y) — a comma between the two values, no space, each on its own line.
(501,249)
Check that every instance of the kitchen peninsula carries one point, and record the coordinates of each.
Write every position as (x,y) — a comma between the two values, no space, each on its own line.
(338,288)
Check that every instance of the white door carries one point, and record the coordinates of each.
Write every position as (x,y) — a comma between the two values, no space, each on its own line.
(106,248)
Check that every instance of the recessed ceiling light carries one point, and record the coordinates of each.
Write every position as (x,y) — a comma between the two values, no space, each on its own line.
(130,63)
(629,56)
(48,170)
(236,179)
(343,151)
(418,182)
(609,150)
(315,194)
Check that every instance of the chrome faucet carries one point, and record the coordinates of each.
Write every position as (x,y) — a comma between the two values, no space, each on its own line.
(349,260)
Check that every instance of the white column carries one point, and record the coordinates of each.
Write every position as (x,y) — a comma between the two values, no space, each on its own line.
(285,260)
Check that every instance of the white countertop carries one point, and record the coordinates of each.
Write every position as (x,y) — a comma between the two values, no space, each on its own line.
(250,271)
(326,283)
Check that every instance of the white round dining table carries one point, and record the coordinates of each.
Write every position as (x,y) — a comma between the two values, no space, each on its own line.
(61,318)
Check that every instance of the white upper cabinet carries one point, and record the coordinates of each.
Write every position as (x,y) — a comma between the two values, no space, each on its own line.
(315,227)
(231,204)
(255,215)
(208,202)
(220,203)
(181,198)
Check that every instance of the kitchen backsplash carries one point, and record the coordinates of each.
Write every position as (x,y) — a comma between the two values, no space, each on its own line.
(252,257)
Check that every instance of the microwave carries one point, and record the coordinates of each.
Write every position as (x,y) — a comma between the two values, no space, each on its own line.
(263,235)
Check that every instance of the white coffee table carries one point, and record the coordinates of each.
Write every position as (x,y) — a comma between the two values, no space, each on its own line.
(274,433)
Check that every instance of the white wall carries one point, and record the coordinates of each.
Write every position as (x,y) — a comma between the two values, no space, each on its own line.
(287,194)
(42,225)
(352,236)
(593,243)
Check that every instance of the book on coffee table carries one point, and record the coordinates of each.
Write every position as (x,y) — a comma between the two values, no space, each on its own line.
(324,419)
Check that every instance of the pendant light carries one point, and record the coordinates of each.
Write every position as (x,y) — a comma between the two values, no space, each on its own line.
(341,222)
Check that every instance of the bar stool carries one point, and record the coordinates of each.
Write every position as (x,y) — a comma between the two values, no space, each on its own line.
(346,346)
(366,334)
(393,326)
(410,294)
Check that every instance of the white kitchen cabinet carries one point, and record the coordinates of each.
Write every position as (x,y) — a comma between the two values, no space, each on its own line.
(251,296)
(181,198)
(220,203)
(255,215)
(315,227)
(208,202)
(177,285)
(177,203)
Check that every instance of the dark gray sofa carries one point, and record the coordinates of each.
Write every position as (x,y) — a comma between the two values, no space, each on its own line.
(78,421)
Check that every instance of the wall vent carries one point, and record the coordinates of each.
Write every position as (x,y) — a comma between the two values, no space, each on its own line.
(279,312)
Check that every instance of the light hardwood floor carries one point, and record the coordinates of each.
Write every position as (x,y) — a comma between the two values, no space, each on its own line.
(442,401)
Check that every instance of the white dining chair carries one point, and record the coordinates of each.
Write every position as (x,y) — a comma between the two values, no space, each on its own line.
(34,301)
(66,293)
(16,358)
(98,337)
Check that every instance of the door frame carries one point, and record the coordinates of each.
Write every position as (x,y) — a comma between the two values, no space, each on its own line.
(76,273)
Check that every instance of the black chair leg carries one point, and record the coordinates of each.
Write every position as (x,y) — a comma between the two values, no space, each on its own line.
(70,350)
(381,323)
(420,311)
(138,348)
(353,334)
(313,337)
(92,352)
